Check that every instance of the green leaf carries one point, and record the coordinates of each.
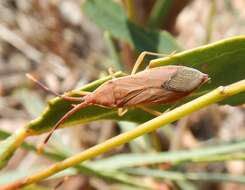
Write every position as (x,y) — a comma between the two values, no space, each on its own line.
(159,13)
(186,176)
(10,176)
(174,157)
(223,61)
(116,177)
(216,95)
(111,17)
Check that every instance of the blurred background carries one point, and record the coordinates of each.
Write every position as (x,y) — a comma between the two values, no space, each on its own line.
(56,42)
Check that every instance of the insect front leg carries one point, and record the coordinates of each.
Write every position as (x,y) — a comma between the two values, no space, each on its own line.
(121,111)
(72,99)
(142,56)
(111,72)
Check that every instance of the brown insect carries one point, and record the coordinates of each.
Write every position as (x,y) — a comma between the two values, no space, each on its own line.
(158,85)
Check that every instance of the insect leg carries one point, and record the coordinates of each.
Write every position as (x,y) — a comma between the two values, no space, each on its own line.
(142,56)
(111,72)
(149,110)
(61,182)
(121,111)
(72,99)
(61,121)
(167,55)
(44,87)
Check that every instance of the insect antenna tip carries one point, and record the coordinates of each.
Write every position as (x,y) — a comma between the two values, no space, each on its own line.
(29,76)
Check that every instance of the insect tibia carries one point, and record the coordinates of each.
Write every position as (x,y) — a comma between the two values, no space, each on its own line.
(62,120)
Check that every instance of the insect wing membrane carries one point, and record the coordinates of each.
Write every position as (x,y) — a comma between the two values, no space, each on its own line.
(185,80)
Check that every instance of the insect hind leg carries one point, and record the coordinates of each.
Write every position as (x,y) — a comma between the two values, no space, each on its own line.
(150,111)
(141,57)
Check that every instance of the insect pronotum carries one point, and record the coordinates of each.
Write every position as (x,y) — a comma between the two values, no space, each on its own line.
(157,85)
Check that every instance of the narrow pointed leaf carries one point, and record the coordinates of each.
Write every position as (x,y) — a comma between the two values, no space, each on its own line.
(111,17)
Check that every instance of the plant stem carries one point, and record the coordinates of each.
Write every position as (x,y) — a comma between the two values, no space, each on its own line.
(130,9)
(209,27)
(217,153)
(113,51)
(219,158)
(168,117)
(81,169)
(12,143)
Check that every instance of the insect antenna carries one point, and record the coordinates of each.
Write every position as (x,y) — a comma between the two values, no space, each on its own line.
(47,89)
(61,121)
(44,87)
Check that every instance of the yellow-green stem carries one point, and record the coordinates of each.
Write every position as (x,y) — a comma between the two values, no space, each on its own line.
(168,117)
(209,27)
(13,142)
(130,9)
